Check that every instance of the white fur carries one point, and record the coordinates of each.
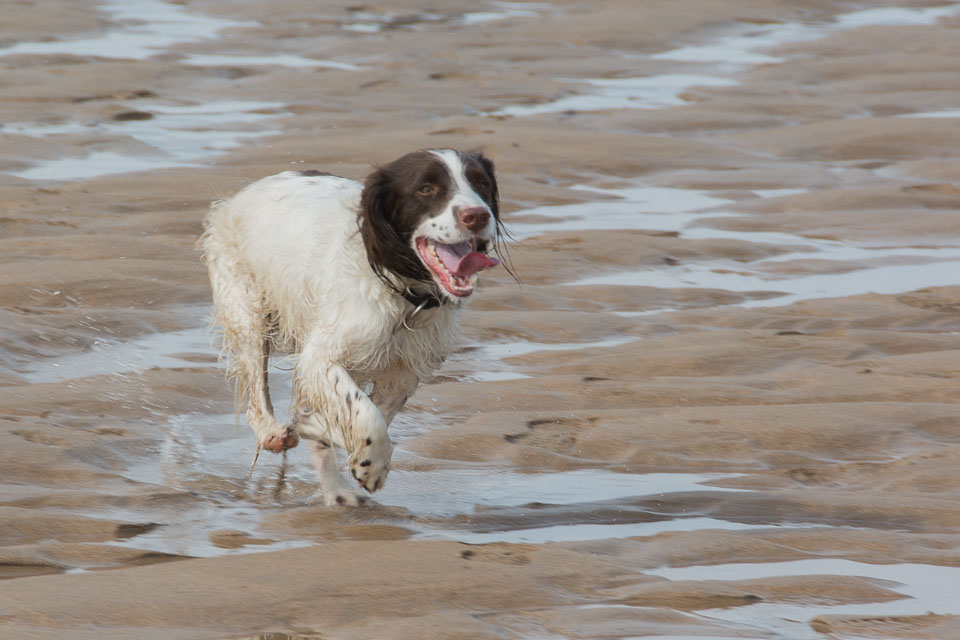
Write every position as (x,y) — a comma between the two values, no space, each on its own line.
(288,246)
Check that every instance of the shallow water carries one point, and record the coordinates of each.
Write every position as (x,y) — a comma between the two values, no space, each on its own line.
(447,492)
(503,11)
(370,22)
(856,269)
(925,587)
(648,92)
(485,362)
(277,60)
(580,532)
(739,50)
(729,54)
(109,356)
(950,113)
(883,279)
(175,136)
(146,28)
(630,207)
(208,456)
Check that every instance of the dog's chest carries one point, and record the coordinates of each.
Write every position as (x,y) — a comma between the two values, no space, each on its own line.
(420,343)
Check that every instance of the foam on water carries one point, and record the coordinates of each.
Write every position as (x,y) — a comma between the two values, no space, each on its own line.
(926,588)
(148,27)
(177,135)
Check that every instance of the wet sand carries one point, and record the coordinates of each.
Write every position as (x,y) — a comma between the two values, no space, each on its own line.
(721,403)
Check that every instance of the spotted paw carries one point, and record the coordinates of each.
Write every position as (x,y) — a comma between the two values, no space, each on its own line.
(370,464)
(278,442)
(342,496)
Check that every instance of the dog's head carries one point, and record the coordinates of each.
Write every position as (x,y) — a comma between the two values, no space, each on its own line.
(432,216)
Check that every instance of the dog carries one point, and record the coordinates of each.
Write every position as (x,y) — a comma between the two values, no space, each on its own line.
(363,283)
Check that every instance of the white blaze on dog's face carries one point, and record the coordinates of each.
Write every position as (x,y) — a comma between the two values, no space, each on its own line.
(444,205)
(451,243)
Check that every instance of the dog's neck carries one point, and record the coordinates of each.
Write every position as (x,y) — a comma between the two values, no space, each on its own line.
(421,301)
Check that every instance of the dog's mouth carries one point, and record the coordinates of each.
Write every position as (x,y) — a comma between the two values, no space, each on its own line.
(454,266)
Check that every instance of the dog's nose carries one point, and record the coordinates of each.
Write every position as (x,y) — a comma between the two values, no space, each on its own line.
(474,218)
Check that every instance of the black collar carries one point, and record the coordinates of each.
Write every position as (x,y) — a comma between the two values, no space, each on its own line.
(422,300)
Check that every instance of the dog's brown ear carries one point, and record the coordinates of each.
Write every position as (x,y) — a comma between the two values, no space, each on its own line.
(487,165)
(387,251)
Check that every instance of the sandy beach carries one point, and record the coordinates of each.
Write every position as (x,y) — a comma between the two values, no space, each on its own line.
(721,401)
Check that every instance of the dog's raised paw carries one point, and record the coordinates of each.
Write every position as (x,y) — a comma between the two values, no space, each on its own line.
(370,464)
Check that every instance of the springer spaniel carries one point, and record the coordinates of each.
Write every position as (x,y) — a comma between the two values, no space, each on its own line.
(364,282)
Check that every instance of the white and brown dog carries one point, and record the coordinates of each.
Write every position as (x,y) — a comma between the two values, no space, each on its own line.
(364,283)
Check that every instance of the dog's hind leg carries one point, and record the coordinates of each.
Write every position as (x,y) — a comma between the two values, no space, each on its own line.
(239,310)
(271,435)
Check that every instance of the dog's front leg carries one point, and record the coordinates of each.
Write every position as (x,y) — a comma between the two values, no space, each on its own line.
(351,420)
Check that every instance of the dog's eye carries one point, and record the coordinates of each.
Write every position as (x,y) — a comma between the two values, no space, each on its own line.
(427,190)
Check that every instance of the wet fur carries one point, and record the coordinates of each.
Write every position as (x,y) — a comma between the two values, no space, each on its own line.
(313,263)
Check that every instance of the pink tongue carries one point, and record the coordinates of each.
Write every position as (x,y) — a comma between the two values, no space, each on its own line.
(465,265)
(473,262)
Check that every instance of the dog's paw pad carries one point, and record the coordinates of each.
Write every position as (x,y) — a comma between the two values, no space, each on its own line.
(344,497)
(370,464)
